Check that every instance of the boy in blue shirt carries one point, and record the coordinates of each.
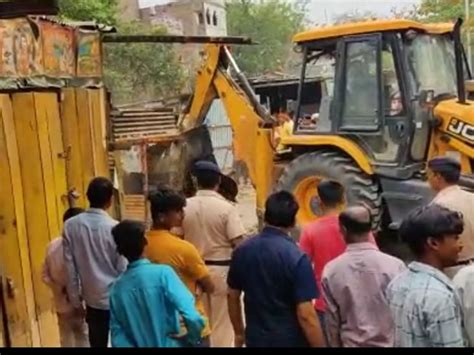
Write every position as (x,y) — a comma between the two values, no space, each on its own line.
(148,300)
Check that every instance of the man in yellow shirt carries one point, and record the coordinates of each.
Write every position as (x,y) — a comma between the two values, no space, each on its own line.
(166,248)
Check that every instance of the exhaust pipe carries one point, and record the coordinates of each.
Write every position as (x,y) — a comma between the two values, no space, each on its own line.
(458,50)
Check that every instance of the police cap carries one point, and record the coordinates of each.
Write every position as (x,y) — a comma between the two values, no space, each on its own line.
(444,164)
(205,165)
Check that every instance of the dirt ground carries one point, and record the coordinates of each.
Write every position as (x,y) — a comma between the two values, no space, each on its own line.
(247,207)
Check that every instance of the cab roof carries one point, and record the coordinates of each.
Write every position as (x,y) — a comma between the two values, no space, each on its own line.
(357,28)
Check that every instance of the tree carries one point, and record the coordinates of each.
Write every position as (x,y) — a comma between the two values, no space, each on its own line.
(271,23)
(133,72)
(409,13)
(141,71)
(101,11)
(355,16)
(447,11)
(441,10)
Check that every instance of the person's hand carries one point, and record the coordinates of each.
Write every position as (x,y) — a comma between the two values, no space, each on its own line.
(180,336)
(239,340)
(183,332)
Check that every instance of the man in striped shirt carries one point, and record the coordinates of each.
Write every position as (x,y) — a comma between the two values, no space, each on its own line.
(423,301)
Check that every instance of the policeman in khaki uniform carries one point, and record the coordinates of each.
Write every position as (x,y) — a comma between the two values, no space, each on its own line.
(214,226)
(443,175)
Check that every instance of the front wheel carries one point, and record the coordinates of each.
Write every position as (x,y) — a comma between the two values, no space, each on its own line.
(302,176)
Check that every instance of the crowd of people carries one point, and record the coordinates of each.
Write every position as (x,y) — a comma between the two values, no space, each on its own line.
(194,279)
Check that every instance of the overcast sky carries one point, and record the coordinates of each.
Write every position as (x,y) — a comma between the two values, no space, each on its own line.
(326,10)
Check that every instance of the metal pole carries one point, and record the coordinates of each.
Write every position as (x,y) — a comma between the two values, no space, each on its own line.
(459,61)
(248,90)
(467,9)
(115,38)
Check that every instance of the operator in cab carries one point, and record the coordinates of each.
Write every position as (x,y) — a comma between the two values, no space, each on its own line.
(284,129)
(443,175)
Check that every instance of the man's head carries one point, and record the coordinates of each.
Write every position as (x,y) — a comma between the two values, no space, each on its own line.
(228,188)
(331,195)
(432,232)
(72,212)
(283,116)
(356,224)
(443,172)
(129,236)
(167,208)
(100,193)
(208,175)
(281,209)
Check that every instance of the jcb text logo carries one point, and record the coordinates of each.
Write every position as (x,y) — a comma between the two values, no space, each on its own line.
(462,129)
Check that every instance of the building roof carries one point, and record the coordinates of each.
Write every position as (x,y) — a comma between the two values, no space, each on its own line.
(276,79)
(84,25)
(356,28)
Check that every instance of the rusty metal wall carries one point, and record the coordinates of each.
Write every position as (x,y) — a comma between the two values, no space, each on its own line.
(139,125)
(221,135)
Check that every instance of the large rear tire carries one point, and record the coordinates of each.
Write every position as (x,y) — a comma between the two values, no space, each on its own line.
(302,176)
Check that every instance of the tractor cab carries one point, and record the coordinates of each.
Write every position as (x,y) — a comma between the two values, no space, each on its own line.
(381,78)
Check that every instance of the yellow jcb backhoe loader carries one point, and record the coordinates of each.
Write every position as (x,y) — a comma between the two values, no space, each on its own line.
(396,97)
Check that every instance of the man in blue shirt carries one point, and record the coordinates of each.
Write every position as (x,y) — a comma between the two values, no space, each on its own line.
(277,280)
(148,301)
(91,260)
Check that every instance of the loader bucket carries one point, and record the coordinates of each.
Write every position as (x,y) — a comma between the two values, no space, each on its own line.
(171,165)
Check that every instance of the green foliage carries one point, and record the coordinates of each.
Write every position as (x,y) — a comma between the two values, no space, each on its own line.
(101,11)
(441,10)
(355,16)
(137,72)
(447,11)
(271,23)
(133,72)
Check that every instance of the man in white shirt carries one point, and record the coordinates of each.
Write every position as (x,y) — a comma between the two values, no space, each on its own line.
(72,325)
(443,175)
(213,225)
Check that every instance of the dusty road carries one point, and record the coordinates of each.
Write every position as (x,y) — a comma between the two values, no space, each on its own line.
(247,207)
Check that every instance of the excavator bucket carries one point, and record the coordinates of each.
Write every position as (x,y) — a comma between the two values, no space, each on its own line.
(171,164)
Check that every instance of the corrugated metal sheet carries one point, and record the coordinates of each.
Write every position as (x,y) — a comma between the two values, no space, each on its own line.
(134,207)
(130,124)
(221,135)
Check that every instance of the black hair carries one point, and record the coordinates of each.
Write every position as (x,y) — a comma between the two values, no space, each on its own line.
(331,193)
(207,179)
(353,225)
(100,192)
(429,221)
(451,173)
(165,200)
(72,212)
(281,209)
(129,236)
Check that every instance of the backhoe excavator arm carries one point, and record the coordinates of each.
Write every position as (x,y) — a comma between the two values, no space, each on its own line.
(251,123)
